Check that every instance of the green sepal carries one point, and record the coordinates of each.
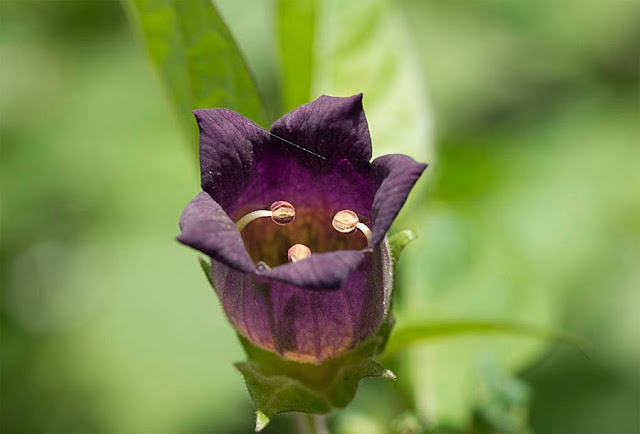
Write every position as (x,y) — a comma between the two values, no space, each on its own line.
(398,241)
(384,332)
(278,386)
(206,267)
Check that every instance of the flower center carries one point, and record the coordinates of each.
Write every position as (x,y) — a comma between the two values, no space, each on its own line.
(299,232)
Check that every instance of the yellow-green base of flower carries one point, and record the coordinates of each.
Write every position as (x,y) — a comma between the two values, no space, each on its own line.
(279,386)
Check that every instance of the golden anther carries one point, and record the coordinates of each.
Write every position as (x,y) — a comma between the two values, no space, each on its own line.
(345,221)
(282,212)
(298,252)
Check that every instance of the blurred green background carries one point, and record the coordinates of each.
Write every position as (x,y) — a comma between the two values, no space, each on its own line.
(529,212)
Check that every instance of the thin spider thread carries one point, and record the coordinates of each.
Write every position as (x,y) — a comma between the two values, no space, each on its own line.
(294,145)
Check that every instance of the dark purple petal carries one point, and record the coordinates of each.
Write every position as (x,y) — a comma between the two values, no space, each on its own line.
(230,145)
(396,175)
(303,325)
(333,127)
(320,271)
(207,228)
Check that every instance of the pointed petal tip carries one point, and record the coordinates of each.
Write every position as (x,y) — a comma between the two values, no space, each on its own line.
(388,373)
(200,113)
(397,174)
(325,124)
(354,96)
(262,420)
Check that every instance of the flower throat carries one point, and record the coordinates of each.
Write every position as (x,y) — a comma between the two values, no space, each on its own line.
(283,234)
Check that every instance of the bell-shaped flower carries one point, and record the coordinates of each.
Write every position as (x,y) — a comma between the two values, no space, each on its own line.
(294,221)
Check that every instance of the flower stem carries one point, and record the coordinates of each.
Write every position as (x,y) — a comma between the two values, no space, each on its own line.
(306,423)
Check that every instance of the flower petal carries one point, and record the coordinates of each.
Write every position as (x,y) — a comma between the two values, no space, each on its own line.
(303,325)
(207,228)
(320,271)
(396,175)
(230,145)
(332,127)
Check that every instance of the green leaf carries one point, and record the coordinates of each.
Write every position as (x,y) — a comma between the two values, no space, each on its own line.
(278,386)
(503,399)
(196,58)
(405,336)
(296,26)
(398,241)
(363,46)
(450,402)
(465,267)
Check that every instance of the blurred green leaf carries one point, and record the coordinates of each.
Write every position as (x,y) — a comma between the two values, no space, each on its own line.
(503,400)
(296,27)
(509,249)
(196,58)
(466,268)
(405,336)
(344,48)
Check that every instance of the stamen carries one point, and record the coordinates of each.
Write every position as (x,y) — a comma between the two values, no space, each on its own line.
(282,213)
(347,221)
(298,252)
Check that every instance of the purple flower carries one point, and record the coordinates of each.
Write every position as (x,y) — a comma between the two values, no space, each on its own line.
(316,160)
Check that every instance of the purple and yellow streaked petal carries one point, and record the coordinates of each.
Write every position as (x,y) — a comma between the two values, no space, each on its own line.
(302,325)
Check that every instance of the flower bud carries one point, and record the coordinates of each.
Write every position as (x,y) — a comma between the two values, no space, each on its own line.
(300,316)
